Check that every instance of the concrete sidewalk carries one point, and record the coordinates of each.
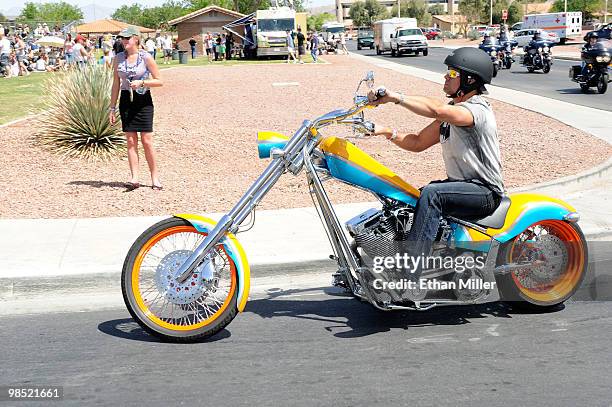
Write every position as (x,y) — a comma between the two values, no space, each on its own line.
(50,247)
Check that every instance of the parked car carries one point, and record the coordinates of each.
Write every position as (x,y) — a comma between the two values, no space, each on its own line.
(431,33)
(523,37)
(517,26)
(365,38)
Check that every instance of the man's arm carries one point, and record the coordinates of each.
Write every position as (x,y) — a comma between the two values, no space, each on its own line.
(427,107)
(416,143)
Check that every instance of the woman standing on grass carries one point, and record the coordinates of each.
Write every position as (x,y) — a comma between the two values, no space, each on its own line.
(131,74)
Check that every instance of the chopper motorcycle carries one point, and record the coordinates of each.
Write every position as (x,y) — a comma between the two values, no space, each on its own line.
(187,277)
(595,73)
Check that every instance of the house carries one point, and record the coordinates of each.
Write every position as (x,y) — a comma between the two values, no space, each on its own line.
(195,24)
(446,22)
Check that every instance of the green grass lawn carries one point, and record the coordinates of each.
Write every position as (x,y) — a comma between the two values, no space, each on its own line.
(21,95)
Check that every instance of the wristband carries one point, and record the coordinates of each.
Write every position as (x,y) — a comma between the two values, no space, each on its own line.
(401,99)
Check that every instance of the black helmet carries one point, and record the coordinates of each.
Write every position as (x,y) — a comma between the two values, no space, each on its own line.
(591,34)
(473,61)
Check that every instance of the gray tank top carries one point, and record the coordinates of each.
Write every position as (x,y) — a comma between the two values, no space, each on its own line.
(472,153)
(128,72)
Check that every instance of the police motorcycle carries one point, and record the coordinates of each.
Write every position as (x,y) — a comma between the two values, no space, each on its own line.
(505,53)
(492,47)
(538,54)
(187,277)
(595,68)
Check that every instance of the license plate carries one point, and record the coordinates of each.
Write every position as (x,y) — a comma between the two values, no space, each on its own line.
(277,49)
(413,48)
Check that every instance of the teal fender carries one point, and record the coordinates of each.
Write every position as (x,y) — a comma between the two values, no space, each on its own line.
(234,250)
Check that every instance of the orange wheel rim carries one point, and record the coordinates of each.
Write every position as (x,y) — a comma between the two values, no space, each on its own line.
(140,296)
(565,282)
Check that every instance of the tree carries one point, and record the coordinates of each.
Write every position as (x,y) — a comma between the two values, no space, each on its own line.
(316,22)
(52,13)
(2,18)
(588,7)
(365,13)
(515,12)
(414,9)
(129,14)
(472,10)
(29,12)
(437,9)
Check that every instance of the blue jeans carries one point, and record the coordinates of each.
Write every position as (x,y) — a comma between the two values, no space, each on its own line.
(313,52)
(460,199)
(193,52)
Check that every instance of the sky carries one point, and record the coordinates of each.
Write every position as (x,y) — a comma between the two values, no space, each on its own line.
(14,6)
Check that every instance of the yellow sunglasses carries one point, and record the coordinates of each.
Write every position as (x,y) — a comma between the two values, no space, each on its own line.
(452,73)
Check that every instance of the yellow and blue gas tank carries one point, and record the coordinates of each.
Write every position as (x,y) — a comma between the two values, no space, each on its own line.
(348,163)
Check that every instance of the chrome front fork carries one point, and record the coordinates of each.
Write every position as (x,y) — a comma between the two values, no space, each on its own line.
(248,202)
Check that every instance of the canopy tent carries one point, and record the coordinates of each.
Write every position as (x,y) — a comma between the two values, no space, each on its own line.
(108,27)
(241,22)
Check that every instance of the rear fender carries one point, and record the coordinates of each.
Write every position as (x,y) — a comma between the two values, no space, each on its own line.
(233,248)
(527,209)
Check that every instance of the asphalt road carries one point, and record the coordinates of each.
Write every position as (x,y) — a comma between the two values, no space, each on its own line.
(556,84)
(300,343)
(310,348)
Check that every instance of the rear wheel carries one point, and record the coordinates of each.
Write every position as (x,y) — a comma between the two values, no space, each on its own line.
(393,53)
(530,69)
(558,254)
(602,84)
(178,312)
(359,47)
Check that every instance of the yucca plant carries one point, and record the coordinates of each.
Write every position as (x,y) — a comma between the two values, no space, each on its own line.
(75,123)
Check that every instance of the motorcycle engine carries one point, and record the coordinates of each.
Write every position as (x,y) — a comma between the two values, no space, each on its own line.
(381,233)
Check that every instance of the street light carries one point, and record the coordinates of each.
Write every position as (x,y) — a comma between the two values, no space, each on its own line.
(491,14)
(399,6)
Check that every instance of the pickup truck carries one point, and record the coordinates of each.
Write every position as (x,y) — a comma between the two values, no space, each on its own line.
(408,41)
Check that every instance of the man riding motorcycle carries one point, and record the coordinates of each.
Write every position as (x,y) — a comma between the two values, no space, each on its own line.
(467,130)
(591,41)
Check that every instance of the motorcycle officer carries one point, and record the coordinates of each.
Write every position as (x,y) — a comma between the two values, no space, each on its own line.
(591,41)
(467,130)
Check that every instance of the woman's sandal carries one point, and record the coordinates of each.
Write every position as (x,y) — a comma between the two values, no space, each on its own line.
(157,187)
(132,185)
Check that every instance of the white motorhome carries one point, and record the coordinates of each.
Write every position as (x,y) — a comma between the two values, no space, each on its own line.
(331,29)
(272,25)
(565,25)
(383,30)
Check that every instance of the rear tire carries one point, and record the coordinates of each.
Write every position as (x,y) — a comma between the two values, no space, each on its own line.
(530,69)
(425,52)
(173,317)
(534,288)
(393,53)
(358,47)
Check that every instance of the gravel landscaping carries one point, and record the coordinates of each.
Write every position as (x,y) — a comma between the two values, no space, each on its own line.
(206,120)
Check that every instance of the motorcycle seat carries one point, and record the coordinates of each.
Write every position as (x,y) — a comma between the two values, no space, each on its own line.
(497,219)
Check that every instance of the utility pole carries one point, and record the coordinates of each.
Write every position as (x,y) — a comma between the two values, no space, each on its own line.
(399,6)
(491,14)
(605,14)
(565,6)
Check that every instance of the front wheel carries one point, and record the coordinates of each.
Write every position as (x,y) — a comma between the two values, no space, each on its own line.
(546,68)
(584,88)
(179,312)
(602,84)
(425,52)
(555,256)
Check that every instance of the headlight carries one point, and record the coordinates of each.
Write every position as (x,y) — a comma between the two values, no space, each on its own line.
(493,53)
(546,49)
(602,59)
(539,49)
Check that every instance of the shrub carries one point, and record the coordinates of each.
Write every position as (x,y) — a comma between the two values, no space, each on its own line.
(75,121)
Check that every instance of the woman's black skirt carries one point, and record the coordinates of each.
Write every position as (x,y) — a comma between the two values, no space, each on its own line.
(137,114)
